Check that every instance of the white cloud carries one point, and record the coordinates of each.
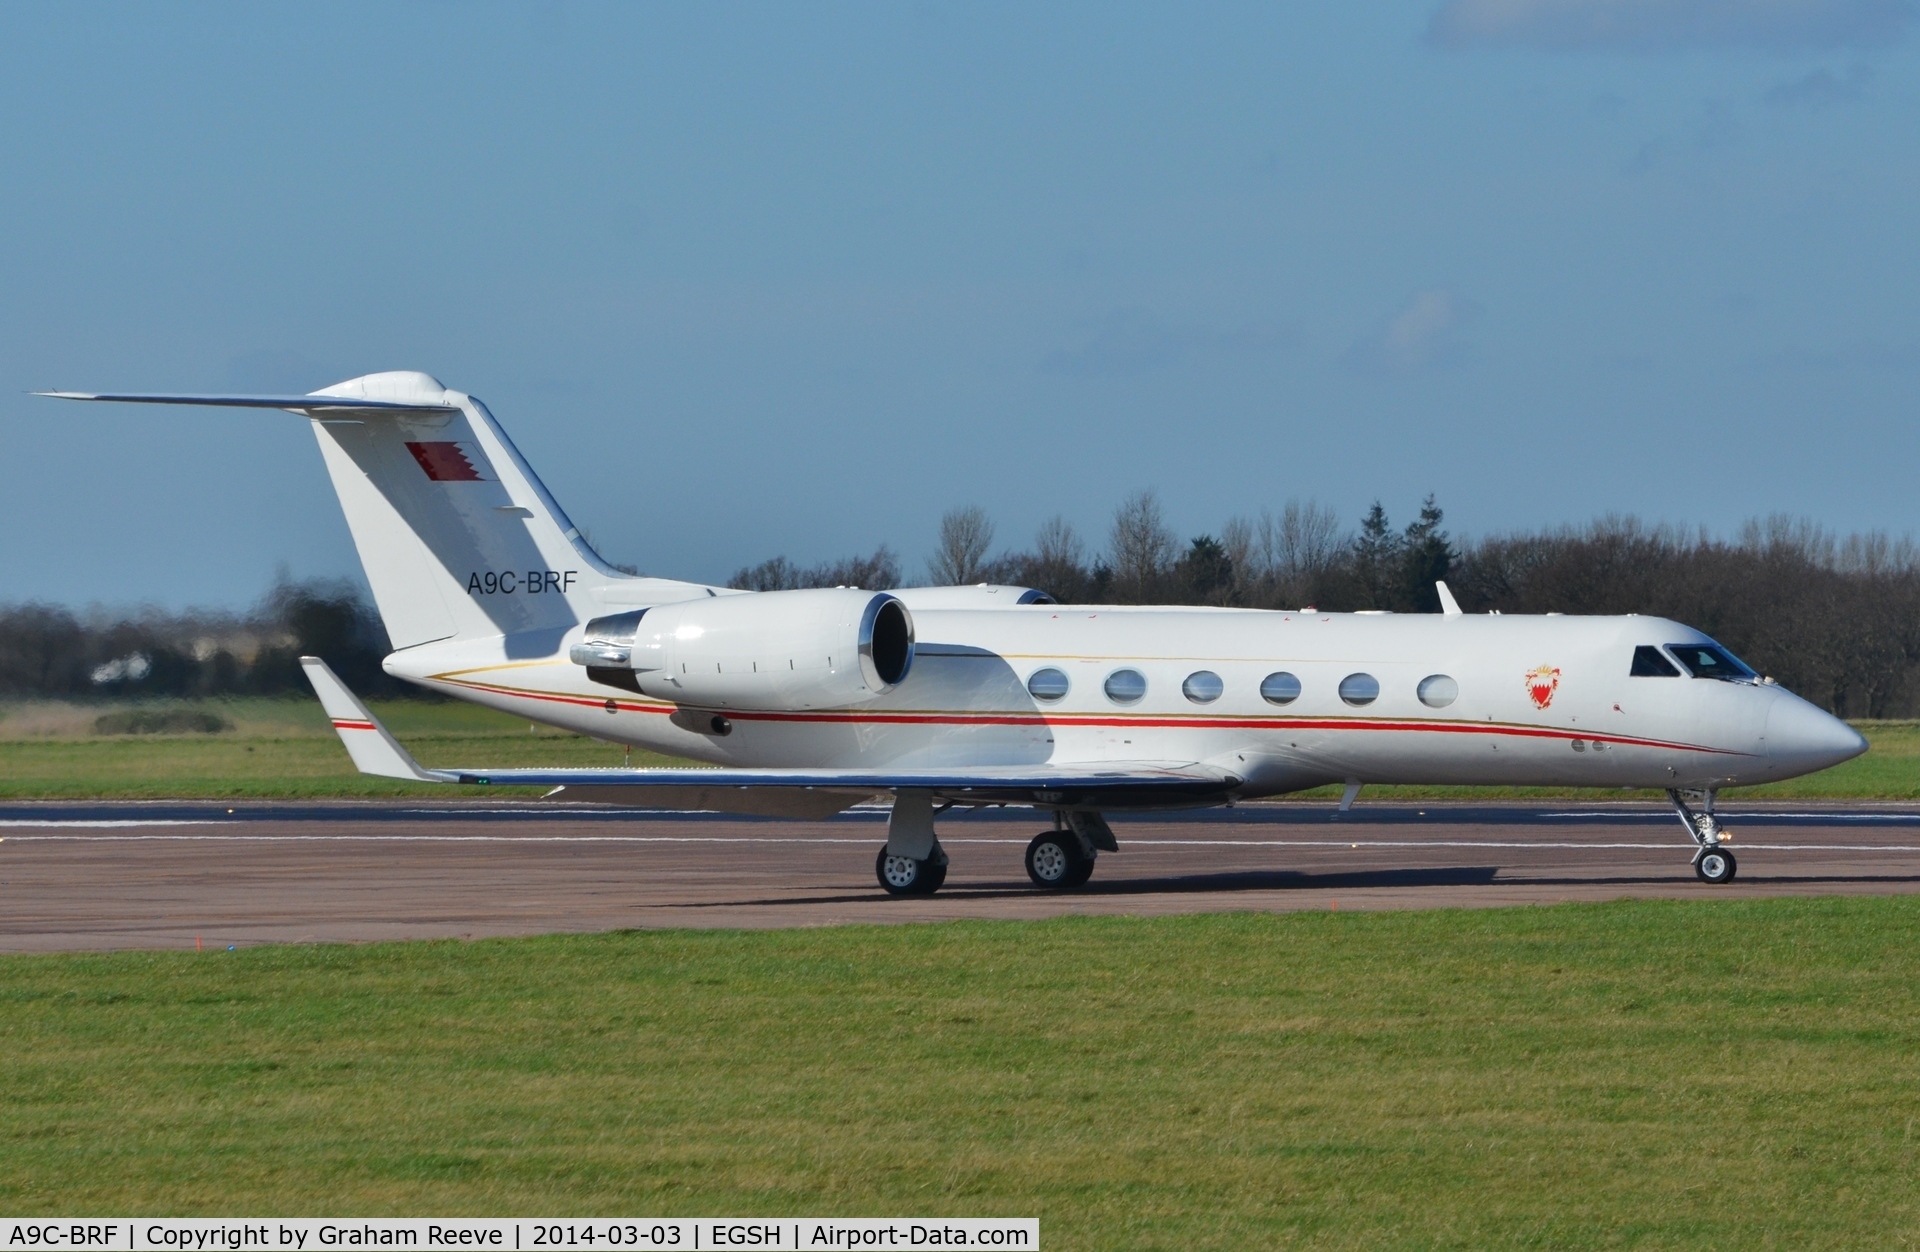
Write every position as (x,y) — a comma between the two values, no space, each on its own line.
(1423,335)
(1652,25)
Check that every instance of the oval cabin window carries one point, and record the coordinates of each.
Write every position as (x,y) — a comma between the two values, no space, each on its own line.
(1126,686)
(1047,684)
(1202,687)
(1359,689)
(1437,691)
(1281,688)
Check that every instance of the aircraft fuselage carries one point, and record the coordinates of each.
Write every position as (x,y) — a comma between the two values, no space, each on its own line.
(1531,701)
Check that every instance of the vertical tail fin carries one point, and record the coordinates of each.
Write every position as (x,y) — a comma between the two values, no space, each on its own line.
(458,537)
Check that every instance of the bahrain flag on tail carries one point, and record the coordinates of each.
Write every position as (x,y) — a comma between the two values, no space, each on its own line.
(446,461)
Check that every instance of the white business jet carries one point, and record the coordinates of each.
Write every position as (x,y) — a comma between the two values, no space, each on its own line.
(809,702)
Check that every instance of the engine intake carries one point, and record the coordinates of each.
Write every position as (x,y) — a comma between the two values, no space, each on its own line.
(773,650)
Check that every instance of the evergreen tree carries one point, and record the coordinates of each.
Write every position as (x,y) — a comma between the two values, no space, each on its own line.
(1206,572)
(1377,560)
(1426,558)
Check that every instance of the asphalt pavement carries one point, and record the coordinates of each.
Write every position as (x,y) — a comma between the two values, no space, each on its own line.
(106,875)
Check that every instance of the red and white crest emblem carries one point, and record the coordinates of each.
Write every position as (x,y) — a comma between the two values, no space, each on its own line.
(1542,682)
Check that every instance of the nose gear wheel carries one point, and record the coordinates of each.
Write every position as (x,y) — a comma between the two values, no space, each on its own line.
(1716,866)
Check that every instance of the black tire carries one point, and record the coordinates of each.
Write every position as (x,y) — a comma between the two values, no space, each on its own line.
(1056,863)
(1716,866)
(904,876)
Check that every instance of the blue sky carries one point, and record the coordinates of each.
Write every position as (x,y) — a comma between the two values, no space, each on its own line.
(744,281)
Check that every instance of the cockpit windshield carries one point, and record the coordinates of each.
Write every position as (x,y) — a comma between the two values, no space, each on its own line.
(1704,661)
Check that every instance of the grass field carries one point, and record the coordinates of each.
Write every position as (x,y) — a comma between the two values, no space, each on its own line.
(1718,1074)
(285,748)
(276,748)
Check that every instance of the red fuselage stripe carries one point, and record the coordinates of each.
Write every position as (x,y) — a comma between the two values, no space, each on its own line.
(1084,719)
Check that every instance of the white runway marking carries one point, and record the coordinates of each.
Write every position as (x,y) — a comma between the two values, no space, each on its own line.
(436,838)
(1756,818)
(103,823)
(1520,845)
(1732,846)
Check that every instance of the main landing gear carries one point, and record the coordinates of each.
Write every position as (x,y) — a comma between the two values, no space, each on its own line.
(906,876)
(1711,861)
(912,863)
(1062,858)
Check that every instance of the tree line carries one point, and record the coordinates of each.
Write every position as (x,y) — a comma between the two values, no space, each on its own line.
(1836,619)
(51,652)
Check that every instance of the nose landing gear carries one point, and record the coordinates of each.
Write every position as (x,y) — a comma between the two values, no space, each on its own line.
(1711,860)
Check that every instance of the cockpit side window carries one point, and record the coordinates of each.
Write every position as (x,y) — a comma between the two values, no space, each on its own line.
(1648,663)
(1709,662)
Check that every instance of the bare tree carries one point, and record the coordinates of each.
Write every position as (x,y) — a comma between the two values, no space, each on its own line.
(1141,550)
(1057,564)
(1243,553)
(774,574)
(965,535)
(1309,539)
(1297,551)
(1058,544)
(879,572)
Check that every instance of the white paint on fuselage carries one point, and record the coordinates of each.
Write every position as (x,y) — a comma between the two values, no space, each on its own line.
(966,703)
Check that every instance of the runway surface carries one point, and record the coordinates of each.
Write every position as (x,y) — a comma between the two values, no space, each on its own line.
(77,876)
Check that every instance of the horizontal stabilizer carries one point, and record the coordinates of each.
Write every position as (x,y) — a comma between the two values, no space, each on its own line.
(299,404)
(373,750)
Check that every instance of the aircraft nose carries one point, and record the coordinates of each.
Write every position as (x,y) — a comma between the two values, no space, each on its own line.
(1805,738)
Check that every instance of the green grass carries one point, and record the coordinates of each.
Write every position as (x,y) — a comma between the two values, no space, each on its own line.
(1637,1074)
(278,748)
(286,748)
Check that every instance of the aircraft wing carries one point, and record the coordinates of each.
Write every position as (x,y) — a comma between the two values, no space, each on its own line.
(1117,783)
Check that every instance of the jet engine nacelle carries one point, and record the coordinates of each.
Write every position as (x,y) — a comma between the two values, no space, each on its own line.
(772,650)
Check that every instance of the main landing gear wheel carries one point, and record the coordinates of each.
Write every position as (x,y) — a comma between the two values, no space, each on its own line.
(1056,862)
(904,876)
(1716,865)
